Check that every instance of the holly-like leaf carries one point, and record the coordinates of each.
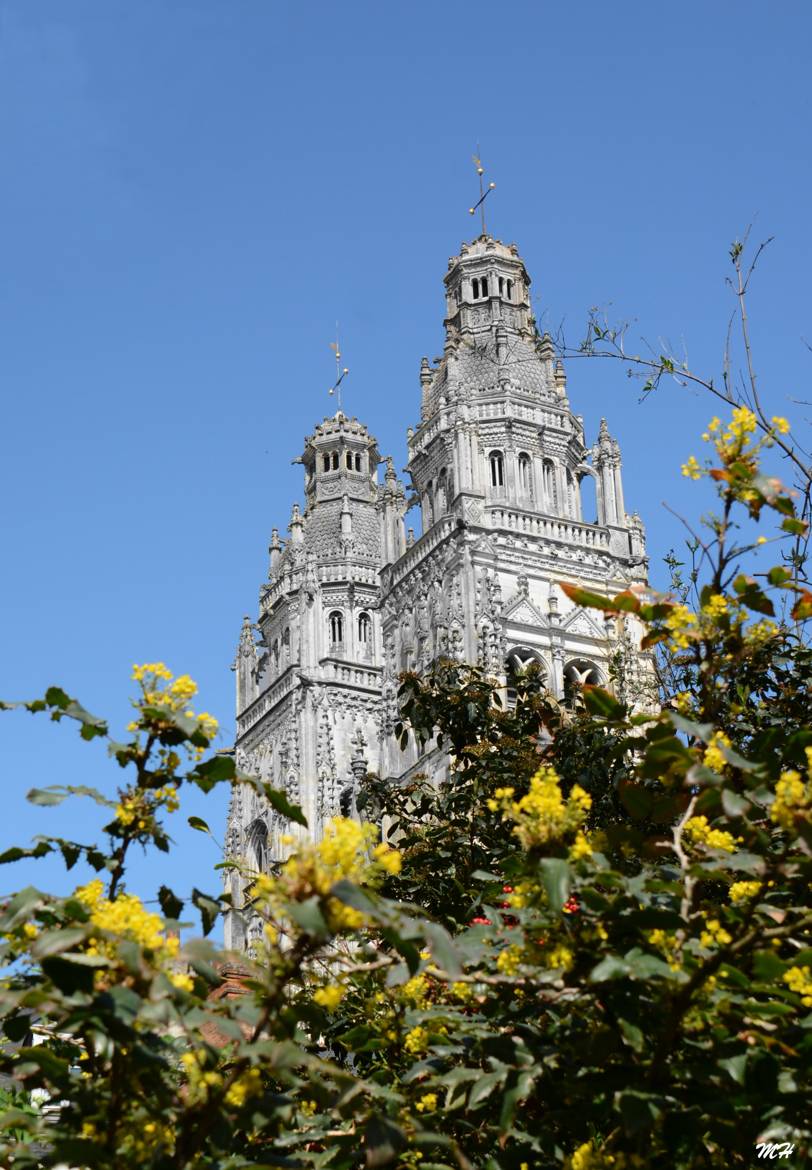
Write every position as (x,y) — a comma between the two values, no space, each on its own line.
(171,904)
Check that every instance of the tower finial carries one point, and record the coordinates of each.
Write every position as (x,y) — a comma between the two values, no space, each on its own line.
(483,192)
(341,373)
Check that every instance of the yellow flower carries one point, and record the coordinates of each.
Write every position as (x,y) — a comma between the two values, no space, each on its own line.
(792,798)
(699,832)
(427,1103)
(678,621)
(329,997)
(560,957)
(509,960)
(716,605)
(714,758)
(799,980)
(416,990)
(691,469)
(154,669)
(742,891)
(761,540)
(30,931)
(780,424)
(416,1041)
(580,847)
(249,1084)
(182,980)
(714,934)
(543,815)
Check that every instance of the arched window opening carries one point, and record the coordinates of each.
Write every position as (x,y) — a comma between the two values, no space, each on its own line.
(475,287)
(349,461)
(428,506)
(510,290)
(550,493)
(258,846)
(501,285)
(286,643)
(441,495)
(497,465)
(522,667)
(275,652)
(335,461)
(337,627)
(525,475)
(578,674)
(357,462)
(326,462)
(364,629)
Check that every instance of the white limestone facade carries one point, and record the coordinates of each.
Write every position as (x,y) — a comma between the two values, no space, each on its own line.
(501,470)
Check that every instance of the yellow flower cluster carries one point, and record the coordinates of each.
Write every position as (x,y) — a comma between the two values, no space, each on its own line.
(716,605)
(780,424)
(248,1084)
(668,945)
(140,804)
(590,1157)
(743,891)
(678,623)
(199,1079)
(691,468)
(699,832)
(125,918)
(799,980)
(560,958)
(329,997)
(176,696)
(714,934)
(416,1041)
(346,852)
(793,796)
(713,756)
(509,960)
(427,1103)
(416,991)
(543,815)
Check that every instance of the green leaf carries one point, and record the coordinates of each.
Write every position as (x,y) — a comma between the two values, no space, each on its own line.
(213,771)
(638,1111)
(556,878)
(794,526)
(599,702)
(309,917)
(74,973)
(751,595)
(199,824)
(171,905)
(382,1141)
(484,1087)
(734,1066)
(278,800)
(631,1034)
(209,909)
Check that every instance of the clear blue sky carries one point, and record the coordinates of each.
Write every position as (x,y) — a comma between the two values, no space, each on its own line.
(193,192)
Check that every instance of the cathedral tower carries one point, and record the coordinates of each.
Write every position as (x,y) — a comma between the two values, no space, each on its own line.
(500,466)
(513,501)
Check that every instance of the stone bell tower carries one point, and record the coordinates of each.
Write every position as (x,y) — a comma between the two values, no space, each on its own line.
(309,671)
(500,466)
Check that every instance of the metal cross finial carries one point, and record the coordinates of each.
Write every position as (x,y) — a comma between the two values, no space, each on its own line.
(483,191)
(340,373)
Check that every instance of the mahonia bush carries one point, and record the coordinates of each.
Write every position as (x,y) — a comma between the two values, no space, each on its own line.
(590,946)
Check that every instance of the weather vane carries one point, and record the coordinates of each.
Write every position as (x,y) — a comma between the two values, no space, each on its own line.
(484,191)
(340,373)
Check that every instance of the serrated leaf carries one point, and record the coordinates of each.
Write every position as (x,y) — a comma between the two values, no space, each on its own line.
(556,878)
(483,1088)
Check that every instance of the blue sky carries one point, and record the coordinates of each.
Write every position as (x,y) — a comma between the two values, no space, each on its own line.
(194,192)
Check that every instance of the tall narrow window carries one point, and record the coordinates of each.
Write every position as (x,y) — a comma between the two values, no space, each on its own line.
(326,462)
(349,460)
(484,286)
(335,461)
(364,629)
(525,475)
(336,627)
(357,462)
(550,493)
(501,285)
(510,290)
(497,464)
(286,643)
(475,287)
